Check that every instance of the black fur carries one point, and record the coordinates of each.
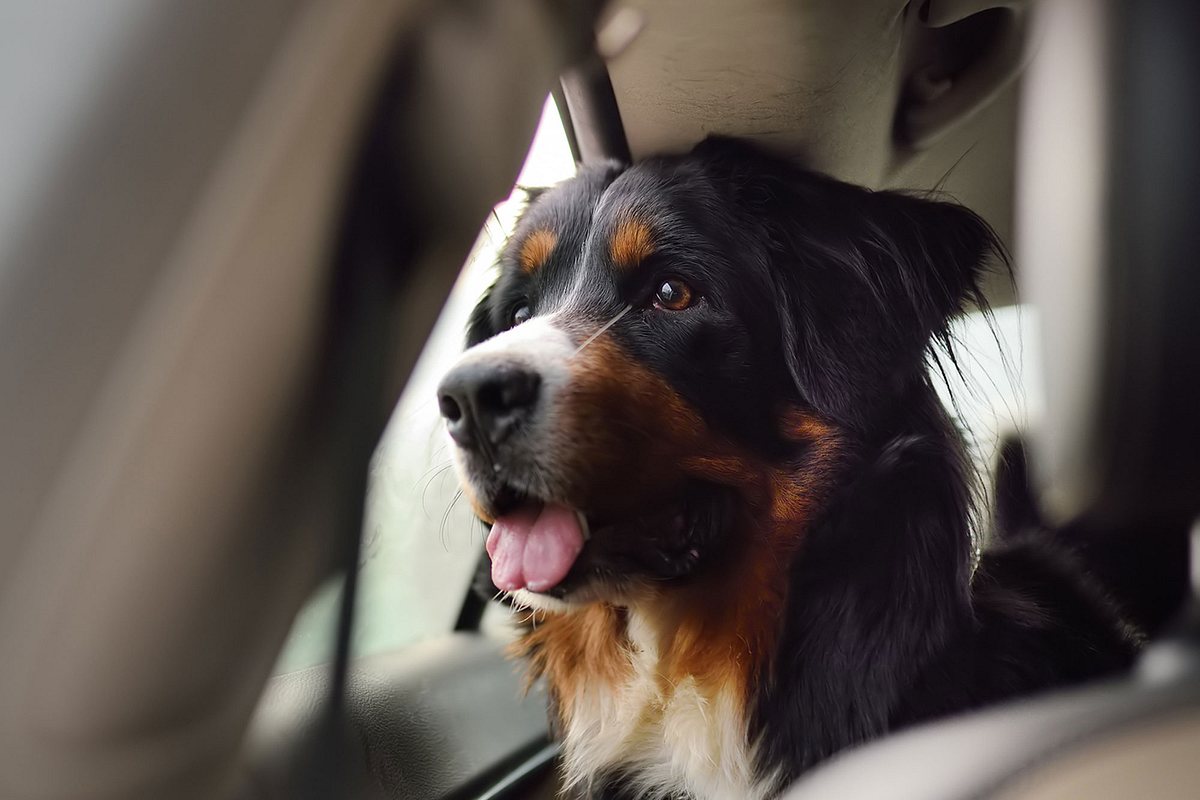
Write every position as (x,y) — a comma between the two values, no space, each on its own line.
(891,622)
(833,298)
(1145,571)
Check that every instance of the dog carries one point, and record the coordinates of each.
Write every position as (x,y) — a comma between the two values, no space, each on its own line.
(696,410)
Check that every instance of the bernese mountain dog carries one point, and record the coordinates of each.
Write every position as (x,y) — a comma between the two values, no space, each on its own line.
(697,411)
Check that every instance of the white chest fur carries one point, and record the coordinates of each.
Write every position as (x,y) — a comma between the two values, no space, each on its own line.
(665,739)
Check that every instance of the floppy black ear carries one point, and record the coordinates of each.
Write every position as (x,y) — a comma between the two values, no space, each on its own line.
(869,280)
(480,325)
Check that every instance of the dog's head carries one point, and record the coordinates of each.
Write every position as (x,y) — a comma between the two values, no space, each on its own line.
(677,357)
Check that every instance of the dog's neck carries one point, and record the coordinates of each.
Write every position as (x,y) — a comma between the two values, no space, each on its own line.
(792,560)
(880,589)
(659,690)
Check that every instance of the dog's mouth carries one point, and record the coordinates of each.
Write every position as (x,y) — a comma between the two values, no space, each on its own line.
(535,545)
(552,548)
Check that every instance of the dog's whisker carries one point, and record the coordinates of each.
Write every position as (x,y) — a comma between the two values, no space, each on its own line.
(446,518)
(427,484)
(435,470)
(603,328)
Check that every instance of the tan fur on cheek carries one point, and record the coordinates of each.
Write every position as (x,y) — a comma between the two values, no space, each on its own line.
(635,440)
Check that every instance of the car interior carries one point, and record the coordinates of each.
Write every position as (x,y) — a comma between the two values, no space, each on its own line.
(233,563)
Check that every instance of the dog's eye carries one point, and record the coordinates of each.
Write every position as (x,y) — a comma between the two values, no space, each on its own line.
(673,295)
(520,314)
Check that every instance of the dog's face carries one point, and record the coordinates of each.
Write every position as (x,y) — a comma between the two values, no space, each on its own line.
(677,358)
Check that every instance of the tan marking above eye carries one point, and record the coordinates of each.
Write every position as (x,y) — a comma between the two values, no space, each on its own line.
(631,243)
(536,249)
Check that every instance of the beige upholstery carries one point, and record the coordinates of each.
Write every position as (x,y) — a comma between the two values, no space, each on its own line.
(825,80)
(1157,760)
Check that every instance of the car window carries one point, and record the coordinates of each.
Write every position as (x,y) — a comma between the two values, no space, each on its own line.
(421,541)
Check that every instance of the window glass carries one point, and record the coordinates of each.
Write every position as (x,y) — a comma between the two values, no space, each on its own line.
(420,540)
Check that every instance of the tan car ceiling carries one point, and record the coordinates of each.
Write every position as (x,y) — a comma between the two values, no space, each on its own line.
(824,80)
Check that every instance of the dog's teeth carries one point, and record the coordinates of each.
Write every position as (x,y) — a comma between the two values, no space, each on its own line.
(583,525)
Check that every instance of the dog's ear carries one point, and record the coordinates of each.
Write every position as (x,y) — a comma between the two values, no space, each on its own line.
(875,278)
(480,325)
(867,279)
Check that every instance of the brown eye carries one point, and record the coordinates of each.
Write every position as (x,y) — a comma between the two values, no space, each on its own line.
(520,314)
(673,295)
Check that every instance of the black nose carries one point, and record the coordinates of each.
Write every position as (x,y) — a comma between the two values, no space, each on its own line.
(485,402)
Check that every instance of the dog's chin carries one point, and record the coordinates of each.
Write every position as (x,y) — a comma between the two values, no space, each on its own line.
(525,600)
(568,601)
(578,591)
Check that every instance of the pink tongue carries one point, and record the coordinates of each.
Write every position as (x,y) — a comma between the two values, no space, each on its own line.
(534,547)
